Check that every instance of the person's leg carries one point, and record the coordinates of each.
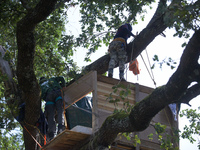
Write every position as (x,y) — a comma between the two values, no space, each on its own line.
(113,58)
(50,114)
(60,115)
(122,60)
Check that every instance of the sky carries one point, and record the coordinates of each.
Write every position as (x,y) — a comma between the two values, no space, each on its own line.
(164,47)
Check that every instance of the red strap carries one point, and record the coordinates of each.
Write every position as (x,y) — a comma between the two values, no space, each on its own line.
(45,139)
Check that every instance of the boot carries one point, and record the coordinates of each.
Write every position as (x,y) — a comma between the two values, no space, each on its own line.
(121,75)
(61,128)
(50,136)
(110,73)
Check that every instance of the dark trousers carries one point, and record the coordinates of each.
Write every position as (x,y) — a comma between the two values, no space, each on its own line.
(54,104)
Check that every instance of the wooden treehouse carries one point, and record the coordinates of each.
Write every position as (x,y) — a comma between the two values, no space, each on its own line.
(99,86)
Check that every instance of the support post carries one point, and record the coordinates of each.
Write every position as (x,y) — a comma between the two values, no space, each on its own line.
(95,118)
(137,90)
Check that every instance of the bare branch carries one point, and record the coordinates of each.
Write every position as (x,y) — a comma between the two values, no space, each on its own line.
(189,94)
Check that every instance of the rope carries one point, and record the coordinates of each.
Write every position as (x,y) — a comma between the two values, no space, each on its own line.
(152,78)
(169,121)
(44,137)
(65,119)
(150,66)
(33,137)
(151,74)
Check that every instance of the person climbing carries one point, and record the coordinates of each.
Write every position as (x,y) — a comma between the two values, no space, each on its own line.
(117,49)
(52,94)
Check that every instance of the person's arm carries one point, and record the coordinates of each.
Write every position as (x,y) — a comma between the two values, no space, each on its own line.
(129,32)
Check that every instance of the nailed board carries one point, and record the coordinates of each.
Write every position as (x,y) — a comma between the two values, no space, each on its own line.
(79,88)
(65,140)
(103,92)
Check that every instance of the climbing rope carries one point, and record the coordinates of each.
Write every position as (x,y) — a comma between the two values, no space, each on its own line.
(32,136)
(151,75)
(44,137)
(65,118)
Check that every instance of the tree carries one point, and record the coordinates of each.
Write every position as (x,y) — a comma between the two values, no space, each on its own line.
(35,33)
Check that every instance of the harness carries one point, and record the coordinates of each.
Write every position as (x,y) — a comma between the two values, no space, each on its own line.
(121,40)
(50,102)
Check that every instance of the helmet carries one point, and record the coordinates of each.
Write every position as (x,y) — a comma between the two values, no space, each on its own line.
(129,26)
(42,79)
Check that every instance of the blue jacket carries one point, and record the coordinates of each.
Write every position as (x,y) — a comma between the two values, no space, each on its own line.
(124,32)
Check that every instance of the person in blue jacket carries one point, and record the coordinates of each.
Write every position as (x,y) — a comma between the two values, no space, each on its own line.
(52,94)
(117,49)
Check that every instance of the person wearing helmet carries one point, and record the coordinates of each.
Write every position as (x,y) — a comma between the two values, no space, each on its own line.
(117,49)
(52,94)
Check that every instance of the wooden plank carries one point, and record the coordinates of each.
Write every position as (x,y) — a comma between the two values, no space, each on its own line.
(113,81)
(104,95)
(65,140)
(145,89)
(106,89)
(112,105)
(79,88)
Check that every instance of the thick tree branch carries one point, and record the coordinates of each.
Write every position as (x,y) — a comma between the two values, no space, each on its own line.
(187,70)
(190,93)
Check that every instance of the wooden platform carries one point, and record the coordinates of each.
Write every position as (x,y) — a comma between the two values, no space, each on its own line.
(100,87)
(66,140)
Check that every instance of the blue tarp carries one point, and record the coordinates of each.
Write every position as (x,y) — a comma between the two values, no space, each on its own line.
(80,113)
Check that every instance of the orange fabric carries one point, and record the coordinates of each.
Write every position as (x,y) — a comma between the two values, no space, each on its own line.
(45,139)
(134,67)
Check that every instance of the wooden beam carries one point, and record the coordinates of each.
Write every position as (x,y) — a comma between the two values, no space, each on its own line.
(95,118)
(65,140)
(79,89)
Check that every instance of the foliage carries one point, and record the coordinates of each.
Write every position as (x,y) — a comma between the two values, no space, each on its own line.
(121,94)
(169,62)
(131,137)
(107,16)
(53,55)
(54,47)
(9,136)
(194,124)
(187,13)
(10,140)
(166,140)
